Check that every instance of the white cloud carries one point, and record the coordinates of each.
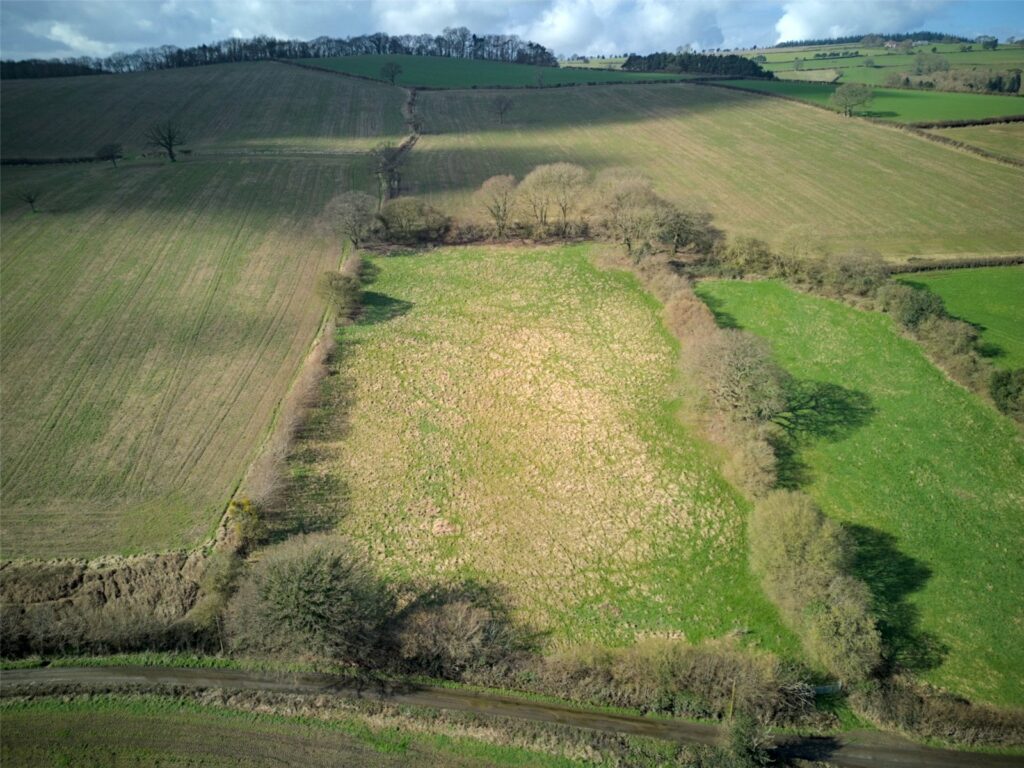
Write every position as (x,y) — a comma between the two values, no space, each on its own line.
(80,44)
(812,19)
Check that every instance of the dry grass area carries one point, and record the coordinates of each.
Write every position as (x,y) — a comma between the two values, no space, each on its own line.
(764,167)
(506,417)
(153,316)
(252,107)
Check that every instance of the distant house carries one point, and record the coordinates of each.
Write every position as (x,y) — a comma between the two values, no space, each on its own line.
(919,42)
(891,44)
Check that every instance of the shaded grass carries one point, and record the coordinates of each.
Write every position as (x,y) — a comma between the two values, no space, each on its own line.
(898,105)
(254,106)
(932,484)
(764,167)
(153,316)
(442,72)
(110,730)
(991,298)
(515,427)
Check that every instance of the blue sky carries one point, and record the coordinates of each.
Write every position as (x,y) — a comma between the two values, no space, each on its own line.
(62,28)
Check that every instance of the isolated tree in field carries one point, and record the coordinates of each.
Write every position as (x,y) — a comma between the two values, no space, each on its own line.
(391,71)
(501,105)
(869,62)
(30,196)
(352,215)
(850,96)
(166,136)
(387,162)
(111,152)
(497,196)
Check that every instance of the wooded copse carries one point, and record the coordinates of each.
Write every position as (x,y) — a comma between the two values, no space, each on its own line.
(698,63)
(453,42)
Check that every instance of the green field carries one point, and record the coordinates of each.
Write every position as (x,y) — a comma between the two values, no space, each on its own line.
(442,72)
(764,167)
(930,479)
(991,298)
(259,107)
(898,105)
(153,315)
(1002,138)
(510,421)
(609,62)
(114,731)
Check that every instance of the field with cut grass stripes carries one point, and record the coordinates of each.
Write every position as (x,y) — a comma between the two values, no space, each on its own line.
(153,315)
(443,72)
(991,298)
(765,168)
(929,479)
(1002,138)
(898,105)
(506,418)
(259,107)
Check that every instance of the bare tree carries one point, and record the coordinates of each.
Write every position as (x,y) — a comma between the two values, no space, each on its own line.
(387,161)
(497,196)
(391,71)
(166,136)
(352,215)
(536,196)
(850,96)
(110,152)
(30,196)
(501,105)
(628,209)
(567,184)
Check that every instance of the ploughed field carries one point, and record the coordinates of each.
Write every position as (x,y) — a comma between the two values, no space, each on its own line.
(764,167)
(990,298)
(153,316)
(506,418)
(111,731)
(929,479)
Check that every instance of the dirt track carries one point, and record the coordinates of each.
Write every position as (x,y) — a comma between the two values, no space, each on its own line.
(855,749)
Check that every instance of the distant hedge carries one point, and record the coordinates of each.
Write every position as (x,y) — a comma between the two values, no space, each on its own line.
(700,63)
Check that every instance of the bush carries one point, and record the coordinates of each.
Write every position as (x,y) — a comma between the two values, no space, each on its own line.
(746,256)
(910,306)
(342,292)
(1007,389)
(246,524)
(408,221)
(312,594)
(857,273)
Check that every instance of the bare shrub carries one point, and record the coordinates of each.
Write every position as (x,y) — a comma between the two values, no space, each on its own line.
(628,210)
(740,376)
(408,221)
(342,292)
(497,197)
(859,272)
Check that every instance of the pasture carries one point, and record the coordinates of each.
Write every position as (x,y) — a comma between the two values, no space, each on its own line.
(153,316)
(1001,138)
(262,107)
(765,168)
(929,479)
(506,418)
(898,105)
(992,298)
(443,72)
(115,731)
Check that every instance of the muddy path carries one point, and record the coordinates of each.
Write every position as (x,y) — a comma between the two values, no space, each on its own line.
(856,749)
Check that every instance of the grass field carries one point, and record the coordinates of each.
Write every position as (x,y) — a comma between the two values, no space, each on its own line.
(901,106)
(764,167)
(510,421)
(241,107)
(442,72)
(991,298)
(930,479)
(1001,138)
(810,75)
(114,731)
(153,315)
(609,62)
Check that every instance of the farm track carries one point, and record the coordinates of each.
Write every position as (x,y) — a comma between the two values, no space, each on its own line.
(858,749)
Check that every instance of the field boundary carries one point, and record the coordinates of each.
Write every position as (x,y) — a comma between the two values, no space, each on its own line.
(912,128)
(951,264)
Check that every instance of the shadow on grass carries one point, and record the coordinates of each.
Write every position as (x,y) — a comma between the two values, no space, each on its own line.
(815,410)
(717,306)
(892,576)
(379,308)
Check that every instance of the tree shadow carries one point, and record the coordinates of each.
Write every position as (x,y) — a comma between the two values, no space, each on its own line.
(870,113)
(717,306)
(379,308)
(891,576)
(815,410)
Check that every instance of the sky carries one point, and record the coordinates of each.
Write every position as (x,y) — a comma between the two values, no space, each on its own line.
(67,28)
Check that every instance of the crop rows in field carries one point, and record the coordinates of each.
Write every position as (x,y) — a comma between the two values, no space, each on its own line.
(1005,139)
(929,479)
(763,167)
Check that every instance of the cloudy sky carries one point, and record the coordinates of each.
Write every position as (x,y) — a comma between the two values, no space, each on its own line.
(60,28)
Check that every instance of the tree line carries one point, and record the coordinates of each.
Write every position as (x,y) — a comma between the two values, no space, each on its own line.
(453,42)
(876,40)
(699,63)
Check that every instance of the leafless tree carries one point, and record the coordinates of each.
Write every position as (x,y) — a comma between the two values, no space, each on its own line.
(30,196)
(501,105)
(352,214)
(110,152)
(497,196)
(387,160)
(391,71)
(167,136)
(628,208)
